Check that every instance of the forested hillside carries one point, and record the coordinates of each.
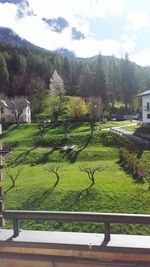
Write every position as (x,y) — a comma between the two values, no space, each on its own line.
(27,71)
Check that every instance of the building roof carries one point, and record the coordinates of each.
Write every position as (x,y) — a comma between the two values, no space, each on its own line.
(9,102)
(3,102)
(145,93)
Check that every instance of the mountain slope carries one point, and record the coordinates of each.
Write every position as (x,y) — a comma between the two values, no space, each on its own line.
(9,36)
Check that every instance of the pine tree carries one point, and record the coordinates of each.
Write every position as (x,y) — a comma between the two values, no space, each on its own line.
(99,87)
(85,82)
(128,81)
(4,75)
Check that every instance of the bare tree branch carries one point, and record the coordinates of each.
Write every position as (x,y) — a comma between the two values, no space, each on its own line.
(13,178)
(90,172)
(53,169)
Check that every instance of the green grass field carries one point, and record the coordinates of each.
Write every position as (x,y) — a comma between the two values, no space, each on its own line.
(114,189)
(132,128)
(14,132)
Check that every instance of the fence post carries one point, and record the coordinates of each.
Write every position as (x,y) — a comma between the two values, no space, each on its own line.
(106,232)
(16,227)
(1,188)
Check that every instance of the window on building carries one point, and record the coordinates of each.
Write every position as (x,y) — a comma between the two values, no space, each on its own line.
(148,106)
(148,116)
(2,111)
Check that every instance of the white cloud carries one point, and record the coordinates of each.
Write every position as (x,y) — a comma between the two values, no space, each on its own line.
(7,14)
(34,30)
(128,43)
(90,47)
(84,8)
(138,19)
(77,12)
(142,58)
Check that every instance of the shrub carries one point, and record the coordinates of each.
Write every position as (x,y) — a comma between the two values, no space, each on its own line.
(131,164)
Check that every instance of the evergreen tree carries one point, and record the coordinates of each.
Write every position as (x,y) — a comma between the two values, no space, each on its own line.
(113,80)
(128,81)
(99,80)
(4,75)
(67,75)
(85,82)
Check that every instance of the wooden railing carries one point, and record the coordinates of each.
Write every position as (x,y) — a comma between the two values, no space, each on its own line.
(106,218)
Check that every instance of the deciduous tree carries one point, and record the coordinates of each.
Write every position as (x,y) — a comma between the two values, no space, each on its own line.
(57,89)
(77,107)
(17,106)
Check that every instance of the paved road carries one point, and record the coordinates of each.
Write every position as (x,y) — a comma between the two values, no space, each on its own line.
(138,139)
(120,129)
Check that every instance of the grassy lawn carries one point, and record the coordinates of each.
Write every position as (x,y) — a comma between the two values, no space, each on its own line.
(132,128)
(24,131)
(114,189)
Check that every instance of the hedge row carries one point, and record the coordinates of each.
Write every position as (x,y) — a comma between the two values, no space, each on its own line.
(131,164)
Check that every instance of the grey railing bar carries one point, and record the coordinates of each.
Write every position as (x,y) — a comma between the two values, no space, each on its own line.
(106,218)
(77,216)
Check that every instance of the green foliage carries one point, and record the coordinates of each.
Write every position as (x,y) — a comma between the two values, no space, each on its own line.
(131,164)
(99,77)
(4,74)
(128,80)
(27,72)
(77,108)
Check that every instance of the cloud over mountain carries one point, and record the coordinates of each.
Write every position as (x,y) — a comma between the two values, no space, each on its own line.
(57,24)
(23,9)
(85,27)
(77,35)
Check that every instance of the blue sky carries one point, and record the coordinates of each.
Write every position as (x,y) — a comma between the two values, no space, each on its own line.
(113,27)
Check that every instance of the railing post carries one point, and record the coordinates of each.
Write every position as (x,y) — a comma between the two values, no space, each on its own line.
(106,232)
(1,189)
(16,227)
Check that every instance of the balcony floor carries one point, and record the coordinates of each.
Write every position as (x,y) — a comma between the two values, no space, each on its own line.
(73,238)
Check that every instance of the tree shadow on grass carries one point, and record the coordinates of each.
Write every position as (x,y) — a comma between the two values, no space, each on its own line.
(33,203)
(72,155)
(72,201)
(51,200)
(3,135)
(22,157)
(44,158)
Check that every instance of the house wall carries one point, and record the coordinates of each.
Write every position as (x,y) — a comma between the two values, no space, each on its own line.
(25,116)
(145,109)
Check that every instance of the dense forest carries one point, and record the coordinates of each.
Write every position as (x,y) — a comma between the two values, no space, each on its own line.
(27,71)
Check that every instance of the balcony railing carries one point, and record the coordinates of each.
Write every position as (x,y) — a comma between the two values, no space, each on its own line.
(106,218)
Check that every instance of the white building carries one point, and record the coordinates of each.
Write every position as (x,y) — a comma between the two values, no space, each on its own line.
(17,108)
(145,107)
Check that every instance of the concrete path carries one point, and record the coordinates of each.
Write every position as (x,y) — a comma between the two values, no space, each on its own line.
(137,139)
